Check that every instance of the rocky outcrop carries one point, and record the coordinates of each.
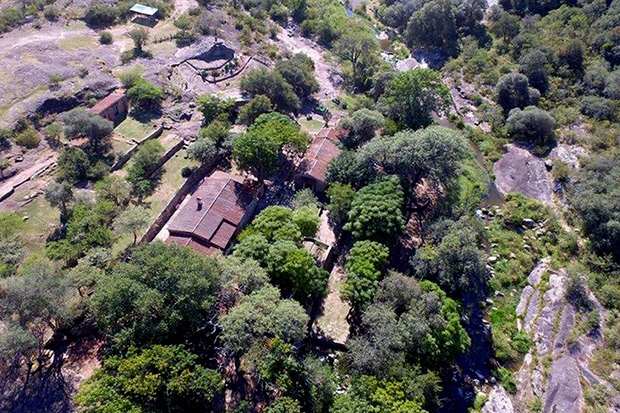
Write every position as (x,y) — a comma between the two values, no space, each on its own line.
(556,367)
(520,171)
(499,401)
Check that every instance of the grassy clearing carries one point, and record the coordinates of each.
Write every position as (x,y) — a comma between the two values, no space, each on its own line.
(120,147)
(74,43)
(171,181)
(130,128)
(42,218)
(311,126)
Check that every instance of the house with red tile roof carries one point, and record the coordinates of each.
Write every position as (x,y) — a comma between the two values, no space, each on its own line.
(213,214)
(113,107)
(312,169)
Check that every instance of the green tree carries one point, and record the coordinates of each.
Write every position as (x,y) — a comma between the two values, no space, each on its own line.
(11,244)
(376,212)
(163,295)
(253,109)
(88,227)
(143,165)
(350,169)
(272,84)
(263,314)
(115,189)
(504,25)
(73,165)
(145,95)
(28,138)
(434,153)
(531,125)
(513,91)
(59,195)
(82,123)
(212,107)
(156,379)
(131,221)
(595,198)
(340,199)
(359,47)
(362,126)
(298,71)
(411,98)
(294,269)
(455,262)
(37,302)
(259,149)
(364,267)
(203,150)
(139,36)
(371,394)
(434,27)
(408,323)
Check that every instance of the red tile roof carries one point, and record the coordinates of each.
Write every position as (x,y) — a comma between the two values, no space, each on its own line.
(322,150)
(224,204)
(108,101)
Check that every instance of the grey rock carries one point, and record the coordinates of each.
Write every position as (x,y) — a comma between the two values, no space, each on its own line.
(520,171)
(563,392)
(499,401)
(528,222)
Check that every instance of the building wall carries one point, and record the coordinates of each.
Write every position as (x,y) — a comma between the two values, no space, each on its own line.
(116,112)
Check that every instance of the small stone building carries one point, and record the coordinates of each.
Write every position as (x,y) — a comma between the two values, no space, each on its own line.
(113,107)
(213,214)
(312,169)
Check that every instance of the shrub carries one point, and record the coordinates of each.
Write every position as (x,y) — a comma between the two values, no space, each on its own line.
(100,15)
(28,139)
(145,95)
(52,14)
(105,38)
(597,108)
(532,125)
(187,171)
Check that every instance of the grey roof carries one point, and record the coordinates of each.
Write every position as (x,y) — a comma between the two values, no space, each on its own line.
(142,9)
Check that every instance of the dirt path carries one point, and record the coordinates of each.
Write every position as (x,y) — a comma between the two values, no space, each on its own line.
(288,41)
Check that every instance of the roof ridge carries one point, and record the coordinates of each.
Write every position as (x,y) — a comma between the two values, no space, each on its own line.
(228,179)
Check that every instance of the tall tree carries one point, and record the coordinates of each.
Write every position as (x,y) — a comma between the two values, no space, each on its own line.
(131,221)
(163,295)
(411,98)
(260,148)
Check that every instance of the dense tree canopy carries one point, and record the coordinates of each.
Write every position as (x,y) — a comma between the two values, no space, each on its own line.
(263,314)
(163,295)
(408,322)
(376,212)
(596,198)
(155,379)
(260,148)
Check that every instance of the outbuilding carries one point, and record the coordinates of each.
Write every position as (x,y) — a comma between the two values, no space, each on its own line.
(113,107)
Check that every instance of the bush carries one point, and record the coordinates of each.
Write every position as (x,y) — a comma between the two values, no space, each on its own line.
(507,379)
(52,14)
(532,125)
(145,95)
(597,108)
(105,38)
(28,139)
(187,171)
(100,15)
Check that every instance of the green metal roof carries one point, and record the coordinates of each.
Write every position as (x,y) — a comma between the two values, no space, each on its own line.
(142,9)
